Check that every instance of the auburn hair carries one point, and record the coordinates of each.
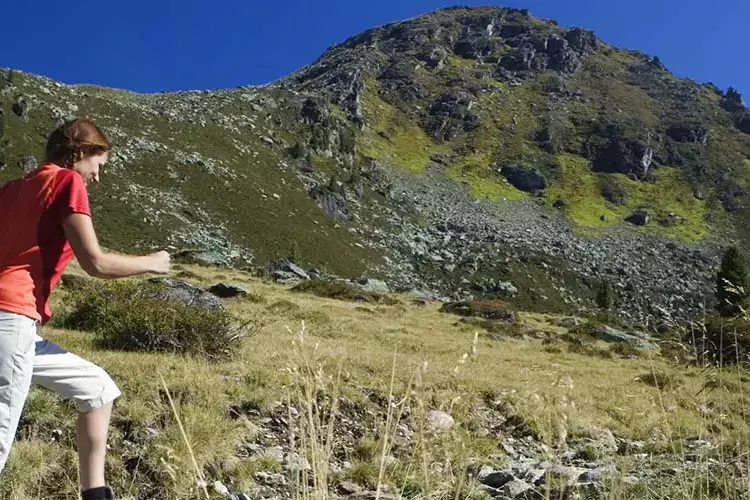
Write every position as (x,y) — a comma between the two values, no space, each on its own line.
(73,141)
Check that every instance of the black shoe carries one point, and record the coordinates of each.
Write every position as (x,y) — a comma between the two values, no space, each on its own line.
(100,493)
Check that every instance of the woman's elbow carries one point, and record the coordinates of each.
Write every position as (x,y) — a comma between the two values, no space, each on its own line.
(94,266)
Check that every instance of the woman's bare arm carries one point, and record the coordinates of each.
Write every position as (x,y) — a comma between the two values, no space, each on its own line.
(79,230)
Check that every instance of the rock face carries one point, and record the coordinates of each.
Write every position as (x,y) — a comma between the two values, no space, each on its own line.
(21,109)
(689,132)
(314,111)
(331,202)
(639,218)
(615,148)
(399,79)
(450,115)
(538,54)
(744,124)
(525,178)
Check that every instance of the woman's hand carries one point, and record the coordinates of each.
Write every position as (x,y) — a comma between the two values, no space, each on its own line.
(161,262)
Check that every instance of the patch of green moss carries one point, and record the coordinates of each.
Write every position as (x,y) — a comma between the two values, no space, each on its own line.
(509,117)
(603,83)
(325,164)
(579,189)
(667,192)
(475,171)
(392,136)
(453,61)
(507,120)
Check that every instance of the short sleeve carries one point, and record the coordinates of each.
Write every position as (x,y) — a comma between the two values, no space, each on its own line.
(70,196)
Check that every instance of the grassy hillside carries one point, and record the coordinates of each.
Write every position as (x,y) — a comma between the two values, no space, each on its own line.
(189,170)
(532,388)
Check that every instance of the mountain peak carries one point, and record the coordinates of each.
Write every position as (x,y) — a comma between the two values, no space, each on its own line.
(435,151)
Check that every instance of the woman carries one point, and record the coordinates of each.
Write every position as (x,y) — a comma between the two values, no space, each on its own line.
(45,221)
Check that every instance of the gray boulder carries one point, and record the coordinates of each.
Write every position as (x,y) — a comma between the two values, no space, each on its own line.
(639,218)
(439,421)
(284,276)
(567,322)
(609,334)
(30,163)
(516,488)
(372,285)
(525,178)
(289,267)
(225,290)
(21,109)
(205,257)
(496,479)
(314,111)
(599,439)
(174,290)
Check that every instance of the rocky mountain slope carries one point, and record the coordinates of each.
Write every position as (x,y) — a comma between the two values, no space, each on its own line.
(470,151)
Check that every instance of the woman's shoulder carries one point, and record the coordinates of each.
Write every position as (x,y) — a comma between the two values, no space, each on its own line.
(57,174)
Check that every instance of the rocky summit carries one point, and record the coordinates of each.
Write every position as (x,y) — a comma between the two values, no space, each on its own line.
(465,153)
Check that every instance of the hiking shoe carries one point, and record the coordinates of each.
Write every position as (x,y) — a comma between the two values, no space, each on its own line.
(100,493)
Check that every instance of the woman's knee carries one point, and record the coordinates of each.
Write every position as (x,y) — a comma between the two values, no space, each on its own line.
(101,392)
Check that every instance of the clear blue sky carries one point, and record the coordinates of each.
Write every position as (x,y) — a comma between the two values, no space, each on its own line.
(160,45)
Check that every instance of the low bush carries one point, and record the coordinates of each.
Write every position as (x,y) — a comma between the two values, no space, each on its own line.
(342,291)
(722,341)
(134,316)
(487,309)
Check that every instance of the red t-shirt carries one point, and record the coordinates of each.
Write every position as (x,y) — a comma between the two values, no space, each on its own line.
(33,248)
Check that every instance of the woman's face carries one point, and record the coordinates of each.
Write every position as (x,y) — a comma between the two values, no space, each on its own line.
(89,167)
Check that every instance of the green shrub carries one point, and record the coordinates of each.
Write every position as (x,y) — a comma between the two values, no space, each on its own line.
(613,190)
(282,307)
(605,296)
(342,291)
(75,282)
(128,316)
(255,297)
(589,350)
(580,342)
(722,341)
(363,473)
(660,380)
(625,350)
(732,283)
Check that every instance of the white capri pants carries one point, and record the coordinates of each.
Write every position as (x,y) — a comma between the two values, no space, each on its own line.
(25,357)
